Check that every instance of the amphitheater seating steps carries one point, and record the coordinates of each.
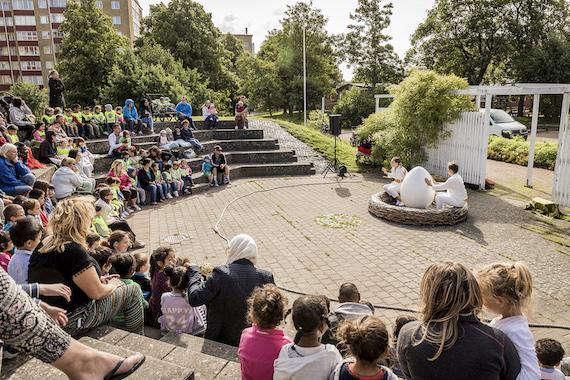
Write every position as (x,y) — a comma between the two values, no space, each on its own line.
(174,356)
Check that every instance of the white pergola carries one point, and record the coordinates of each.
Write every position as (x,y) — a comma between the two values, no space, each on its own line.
(561,185)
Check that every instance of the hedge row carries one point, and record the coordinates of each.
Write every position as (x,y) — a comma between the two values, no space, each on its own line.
(515,151)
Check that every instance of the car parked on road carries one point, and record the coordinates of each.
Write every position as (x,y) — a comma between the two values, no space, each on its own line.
(502,124)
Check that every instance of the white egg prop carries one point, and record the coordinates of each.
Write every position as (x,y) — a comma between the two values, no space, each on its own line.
(414,191)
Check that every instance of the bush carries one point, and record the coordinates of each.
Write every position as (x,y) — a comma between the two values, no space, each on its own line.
(515,151)
(35,98)
(354,105)
(423,104)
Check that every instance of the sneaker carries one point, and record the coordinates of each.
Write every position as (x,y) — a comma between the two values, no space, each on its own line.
(226,180)
(9,353)
(130,210)
(140,133)
(168,196)
(211,184)
(137,208)
(216,184)
(236,127)
(153,203)
(176,193)
(399,204)
(124,215)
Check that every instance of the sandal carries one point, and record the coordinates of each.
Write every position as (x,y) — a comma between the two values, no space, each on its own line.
(113,376)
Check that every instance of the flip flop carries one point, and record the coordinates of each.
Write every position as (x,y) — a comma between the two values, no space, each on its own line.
(112,375)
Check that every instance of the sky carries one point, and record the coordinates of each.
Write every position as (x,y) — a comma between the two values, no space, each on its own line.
(261,16)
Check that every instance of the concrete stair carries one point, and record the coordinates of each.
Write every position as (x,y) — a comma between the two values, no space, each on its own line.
(174,356)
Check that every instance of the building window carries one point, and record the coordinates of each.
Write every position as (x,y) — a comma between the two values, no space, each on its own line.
(6,21)
(22,4)
(25,20)
(49,65)
(9,36)
(29,50)
(5,79)
(27,36)
(42,4)
(45,35)
(116,20)
(58,3)
(57,18)
(47,50)
(57,33)
(5,51)
(5,5)
(44,20)
(115,5)
(30,65)
(35,79)
(99,4)
(4,65)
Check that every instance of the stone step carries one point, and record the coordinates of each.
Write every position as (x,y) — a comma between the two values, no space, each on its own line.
(200,124)
(101,146)
(208,359)
(263,170)
(26,368)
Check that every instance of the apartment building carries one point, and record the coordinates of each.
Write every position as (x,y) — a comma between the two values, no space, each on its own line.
(30,37)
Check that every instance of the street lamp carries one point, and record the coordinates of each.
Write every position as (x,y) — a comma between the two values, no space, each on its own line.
(304,76)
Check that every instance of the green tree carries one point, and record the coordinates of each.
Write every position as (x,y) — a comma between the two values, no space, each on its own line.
(366,46)
(88,51)
(355,105)
(35,98)
(234,49)
(284,48)
(461,37)
(423,103)
(193,38)
(260,80)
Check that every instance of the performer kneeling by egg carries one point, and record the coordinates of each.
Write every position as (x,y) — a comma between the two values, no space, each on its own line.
(456,195)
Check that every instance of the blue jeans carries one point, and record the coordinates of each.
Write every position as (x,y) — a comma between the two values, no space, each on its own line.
(195,143)
(163,189)
(149,122)
(152,190)
(131,125)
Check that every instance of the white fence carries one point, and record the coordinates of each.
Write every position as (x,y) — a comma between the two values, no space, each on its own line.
(561,186)
(467,145)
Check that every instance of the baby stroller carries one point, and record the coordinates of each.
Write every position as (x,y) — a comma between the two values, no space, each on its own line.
(364,153)
(5,103)
(162,107)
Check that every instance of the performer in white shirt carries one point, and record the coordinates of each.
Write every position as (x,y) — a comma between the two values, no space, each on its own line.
(397,173)
(456,195)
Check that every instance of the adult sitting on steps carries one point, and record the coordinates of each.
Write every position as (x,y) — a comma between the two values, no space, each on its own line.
(15,177)
(188,136)
(228,288)
(184,110)
(95,299)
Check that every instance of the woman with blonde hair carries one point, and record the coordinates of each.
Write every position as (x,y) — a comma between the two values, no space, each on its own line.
(95,299)
(448,341)
(125,185)
(56,89)
(15,177)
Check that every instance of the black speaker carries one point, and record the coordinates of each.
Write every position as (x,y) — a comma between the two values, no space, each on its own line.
(334,122)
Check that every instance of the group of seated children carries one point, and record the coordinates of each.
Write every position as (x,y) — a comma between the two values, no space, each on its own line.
(455,194)
(352,331)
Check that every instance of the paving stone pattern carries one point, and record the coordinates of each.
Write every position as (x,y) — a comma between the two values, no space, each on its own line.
(385,260)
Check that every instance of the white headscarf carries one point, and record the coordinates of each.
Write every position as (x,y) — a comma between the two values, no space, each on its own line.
(242,246)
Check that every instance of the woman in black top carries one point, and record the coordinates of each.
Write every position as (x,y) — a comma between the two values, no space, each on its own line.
(147,181)
(48,150)
(56,89)
(63,258)
(449,342)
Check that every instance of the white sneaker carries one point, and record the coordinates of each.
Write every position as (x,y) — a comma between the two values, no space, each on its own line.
(216,184)
(399,204)
(124,215)
(137,208)
(176,193)
(168,196)
(236,127)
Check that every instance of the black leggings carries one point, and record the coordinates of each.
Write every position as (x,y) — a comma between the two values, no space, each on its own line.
(128,194)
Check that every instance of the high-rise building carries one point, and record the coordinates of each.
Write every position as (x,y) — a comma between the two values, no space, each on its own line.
(30,37)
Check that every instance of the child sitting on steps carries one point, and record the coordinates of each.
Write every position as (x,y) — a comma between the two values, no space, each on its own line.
(177,315)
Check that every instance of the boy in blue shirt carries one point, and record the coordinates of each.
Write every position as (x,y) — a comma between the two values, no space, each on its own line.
(26,234)
(207,170)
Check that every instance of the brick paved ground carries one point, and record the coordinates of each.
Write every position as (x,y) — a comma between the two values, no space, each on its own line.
(385,260)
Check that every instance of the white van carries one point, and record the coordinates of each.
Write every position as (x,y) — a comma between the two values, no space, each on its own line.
(502,124)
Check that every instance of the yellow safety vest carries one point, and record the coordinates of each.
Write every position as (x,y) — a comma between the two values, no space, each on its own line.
(48,119)
(78,116)
(99,118)
(88,118)
(111,117)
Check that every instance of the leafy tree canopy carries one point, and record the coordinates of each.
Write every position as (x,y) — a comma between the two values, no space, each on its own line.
(88,51)
(366,46)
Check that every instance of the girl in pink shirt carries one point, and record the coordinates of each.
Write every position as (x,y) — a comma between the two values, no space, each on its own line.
(261,343)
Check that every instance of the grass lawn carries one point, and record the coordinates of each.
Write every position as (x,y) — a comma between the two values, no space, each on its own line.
(320,142)
(542,121)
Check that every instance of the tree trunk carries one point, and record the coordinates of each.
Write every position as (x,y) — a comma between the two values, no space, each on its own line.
(520,110)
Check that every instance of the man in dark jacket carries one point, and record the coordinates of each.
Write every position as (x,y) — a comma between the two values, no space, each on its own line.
(226,291)
(188,136)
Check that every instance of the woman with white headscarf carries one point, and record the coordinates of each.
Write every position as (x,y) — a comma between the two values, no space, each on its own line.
(226,291)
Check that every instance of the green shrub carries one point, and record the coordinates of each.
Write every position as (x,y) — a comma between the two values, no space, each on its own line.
(35,98)
(515,151)
(316,120)
(354,105)
(423,104)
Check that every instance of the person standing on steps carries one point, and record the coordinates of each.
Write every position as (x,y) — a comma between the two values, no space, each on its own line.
(56,89)
(241,113)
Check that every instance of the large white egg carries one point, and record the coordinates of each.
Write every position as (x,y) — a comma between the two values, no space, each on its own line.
(414,191)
